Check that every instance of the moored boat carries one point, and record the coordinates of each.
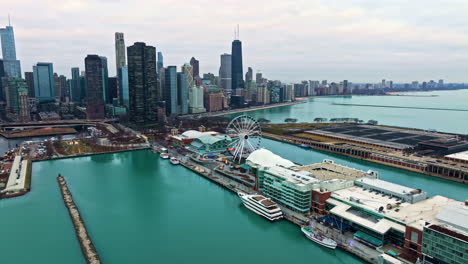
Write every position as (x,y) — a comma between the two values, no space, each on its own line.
(174,161)
(164,156)
(261,205)
(318,238)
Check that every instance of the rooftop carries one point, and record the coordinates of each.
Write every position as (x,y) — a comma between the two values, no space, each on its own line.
(266,158)
(455,215)
(460,155)
(392,187)
(298,178)
(329,171)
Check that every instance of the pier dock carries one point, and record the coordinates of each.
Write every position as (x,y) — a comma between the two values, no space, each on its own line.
(87,247)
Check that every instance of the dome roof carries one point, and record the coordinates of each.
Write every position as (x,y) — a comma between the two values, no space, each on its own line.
(266,158)
(192,134)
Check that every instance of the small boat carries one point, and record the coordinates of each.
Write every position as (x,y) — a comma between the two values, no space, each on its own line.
(261,205)
(164,156)
(174,161)
(304,146)
(317,238)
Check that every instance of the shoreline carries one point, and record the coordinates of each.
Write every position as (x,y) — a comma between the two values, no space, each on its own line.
(241,110)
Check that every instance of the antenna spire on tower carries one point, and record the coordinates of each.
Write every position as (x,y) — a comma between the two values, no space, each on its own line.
(9,23)
(237,31)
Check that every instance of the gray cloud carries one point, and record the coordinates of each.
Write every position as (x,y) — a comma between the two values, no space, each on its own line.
(359,40)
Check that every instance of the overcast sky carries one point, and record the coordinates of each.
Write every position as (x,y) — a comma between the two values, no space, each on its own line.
(289,40)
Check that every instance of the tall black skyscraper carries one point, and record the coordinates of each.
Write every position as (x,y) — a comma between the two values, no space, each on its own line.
(237,74)
(142,82)
(95,108)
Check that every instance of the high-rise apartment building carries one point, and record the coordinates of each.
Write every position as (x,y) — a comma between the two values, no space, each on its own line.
(182,94)
(170,90)
(105,81)
(160,64)
(122,76)
(237,74)
(195,67)
(142,82)
(119,50)
(29,77)
(196,100)
(44,89)
(75,87)
(10,64)
(225,73)
(95,105)
(60,87)
(249,75)
(188,71)
(2,75)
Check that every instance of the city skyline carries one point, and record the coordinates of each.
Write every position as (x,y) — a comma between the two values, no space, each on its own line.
(361,44)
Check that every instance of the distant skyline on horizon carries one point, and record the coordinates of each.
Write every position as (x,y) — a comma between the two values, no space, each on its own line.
(359,40)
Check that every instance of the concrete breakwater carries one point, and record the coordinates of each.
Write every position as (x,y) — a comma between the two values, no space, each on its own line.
(87,247)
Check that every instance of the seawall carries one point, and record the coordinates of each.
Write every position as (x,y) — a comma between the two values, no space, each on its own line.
(87,247)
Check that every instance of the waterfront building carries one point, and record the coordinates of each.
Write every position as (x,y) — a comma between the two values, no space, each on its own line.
(29,77)
(170,88)
(213,98)
(182,93)
(188,71)
(44,90)
(209,144)
(75,86)
(445,240)
(195,67)
(160,63)
(225,73)
(237,74)
(251,87)
(142,82)
(196,100)
(123,92)
(95,105)
(11,65)
(119,51)
(258,78)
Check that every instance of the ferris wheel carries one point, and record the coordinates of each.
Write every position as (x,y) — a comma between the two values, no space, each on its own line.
(246,136)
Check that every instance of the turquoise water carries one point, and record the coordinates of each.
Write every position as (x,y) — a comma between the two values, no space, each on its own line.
(141,209)
(446,121)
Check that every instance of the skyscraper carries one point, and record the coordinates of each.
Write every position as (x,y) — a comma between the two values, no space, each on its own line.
(195,66)
(29,76)
(75,89)
(196,100)
(182,94)
(170,93)
(142,82)
(60,87)
(160,61)
(237,74)
(225,72)
(122,76)
(249,75)
(259,78)
(105,81)
(44,82)
(10,63)
(188,71)
(94,87)
(119,50)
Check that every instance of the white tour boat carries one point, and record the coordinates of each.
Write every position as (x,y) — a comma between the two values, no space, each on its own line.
(261,205)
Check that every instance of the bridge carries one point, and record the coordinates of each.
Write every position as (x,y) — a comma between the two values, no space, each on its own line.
(53,123)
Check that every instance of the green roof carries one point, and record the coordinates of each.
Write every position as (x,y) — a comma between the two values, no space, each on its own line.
(373,240)
(209,140)
(245,166)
